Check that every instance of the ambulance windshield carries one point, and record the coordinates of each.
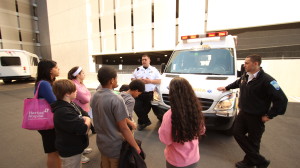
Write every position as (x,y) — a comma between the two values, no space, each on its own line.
(209,62)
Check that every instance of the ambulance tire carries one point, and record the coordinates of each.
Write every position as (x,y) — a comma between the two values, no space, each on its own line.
(30,79)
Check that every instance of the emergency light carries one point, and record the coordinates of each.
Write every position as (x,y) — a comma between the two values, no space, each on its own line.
(212,34)
(217,34)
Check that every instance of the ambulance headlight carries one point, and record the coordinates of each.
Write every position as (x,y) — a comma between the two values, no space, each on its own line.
(226,103)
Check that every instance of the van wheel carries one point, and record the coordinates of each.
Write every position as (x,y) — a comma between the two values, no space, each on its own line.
(7,81)
(30,79)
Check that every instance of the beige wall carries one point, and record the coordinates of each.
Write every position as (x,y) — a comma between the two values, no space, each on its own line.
(285,73)
(71,33)
(74,33)
(233,14)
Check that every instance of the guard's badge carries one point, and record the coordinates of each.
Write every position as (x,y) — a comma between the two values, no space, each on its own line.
(275,85)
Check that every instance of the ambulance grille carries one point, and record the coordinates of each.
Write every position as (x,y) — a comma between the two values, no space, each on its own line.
(206,103)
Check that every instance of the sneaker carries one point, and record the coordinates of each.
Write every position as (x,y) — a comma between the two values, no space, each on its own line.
(84,159)
(87,150)
(142,126)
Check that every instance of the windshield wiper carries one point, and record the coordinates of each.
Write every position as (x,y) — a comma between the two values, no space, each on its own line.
(210,74)
(195,73)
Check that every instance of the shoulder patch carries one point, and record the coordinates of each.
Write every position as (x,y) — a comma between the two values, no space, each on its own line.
(275,85)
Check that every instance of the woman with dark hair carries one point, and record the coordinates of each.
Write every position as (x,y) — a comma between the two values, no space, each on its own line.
(47,72)
(77,75)
(182,126)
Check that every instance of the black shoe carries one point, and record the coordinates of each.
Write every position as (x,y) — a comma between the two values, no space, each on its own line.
(264,165)
(142,126)
(243,164)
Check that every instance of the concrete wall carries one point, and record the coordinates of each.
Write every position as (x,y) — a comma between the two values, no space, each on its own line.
(71,27)
(285,72)
(236,14)
(17,25)
(45,48)
(75,34)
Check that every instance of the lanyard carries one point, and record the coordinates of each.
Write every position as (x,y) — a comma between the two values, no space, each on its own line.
(76,108)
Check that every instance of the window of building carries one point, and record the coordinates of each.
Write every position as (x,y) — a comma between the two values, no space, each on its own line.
(20,36)
(152,13)
(17,8)
(37,38)
(99,24)
(177,8)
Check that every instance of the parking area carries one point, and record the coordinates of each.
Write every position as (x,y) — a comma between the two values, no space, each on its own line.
(23,148)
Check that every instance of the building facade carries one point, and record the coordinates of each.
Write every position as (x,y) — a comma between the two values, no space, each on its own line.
(93,33)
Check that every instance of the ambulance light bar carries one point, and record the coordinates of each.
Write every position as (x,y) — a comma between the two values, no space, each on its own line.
(213,34)
(190,37)
(217,34)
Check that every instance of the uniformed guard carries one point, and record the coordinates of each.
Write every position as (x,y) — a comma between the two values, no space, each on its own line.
(151,77)
(261,99)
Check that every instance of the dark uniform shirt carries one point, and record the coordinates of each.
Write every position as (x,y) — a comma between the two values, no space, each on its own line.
(260,96)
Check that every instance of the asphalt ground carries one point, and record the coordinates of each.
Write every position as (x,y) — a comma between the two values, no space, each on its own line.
(20,148)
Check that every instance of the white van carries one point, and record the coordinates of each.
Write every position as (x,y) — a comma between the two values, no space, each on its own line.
(207,62)
(17,64)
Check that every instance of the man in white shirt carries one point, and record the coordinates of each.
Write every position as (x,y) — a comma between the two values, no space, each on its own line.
(151,77)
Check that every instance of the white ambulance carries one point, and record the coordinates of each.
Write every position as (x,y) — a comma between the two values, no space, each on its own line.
(17,64)
(207,62)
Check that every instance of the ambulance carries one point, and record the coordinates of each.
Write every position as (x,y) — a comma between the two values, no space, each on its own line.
(17,64)
(207,61)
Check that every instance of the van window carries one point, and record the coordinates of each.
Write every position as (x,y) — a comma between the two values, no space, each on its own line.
(10,61)
(33,61)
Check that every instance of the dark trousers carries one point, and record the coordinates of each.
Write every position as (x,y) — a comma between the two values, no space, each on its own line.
(143,106)
(248,130)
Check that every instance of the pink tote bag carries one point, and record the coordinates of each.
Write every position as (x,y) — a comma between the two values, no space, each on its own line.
(37,114)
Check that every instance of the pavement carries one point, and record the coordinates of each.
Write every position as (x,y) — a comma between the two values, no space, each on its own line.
(22,148)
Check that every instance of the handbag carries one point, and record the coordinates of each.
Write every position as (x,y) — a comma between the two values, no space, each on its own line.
(37,113)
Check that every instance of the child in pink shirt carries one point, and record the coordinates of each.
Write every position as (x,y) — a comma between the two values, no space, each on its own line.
(77,75)
(182,126)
